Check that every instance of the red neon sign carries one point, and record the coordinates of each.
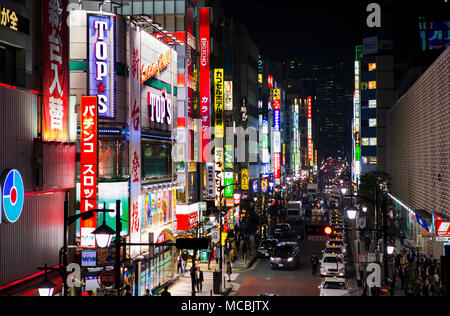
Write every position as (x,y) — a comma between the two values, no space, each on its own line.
(205,84)
(55,103)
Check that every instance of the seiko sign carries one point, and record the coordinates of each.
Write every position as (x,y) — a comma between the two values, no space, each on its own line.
(204,51)
(159,108)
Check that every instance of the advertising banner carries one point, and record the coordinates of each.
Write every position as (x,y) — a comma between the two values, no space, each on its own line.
(219,171)
(244,179)
(55,94)
(218,102)
(228,95)
(228,191)
(276,99)
(88,167)
(135,160)
(210,182)
(204,84)
(101,62)
(156,209)
(310,150)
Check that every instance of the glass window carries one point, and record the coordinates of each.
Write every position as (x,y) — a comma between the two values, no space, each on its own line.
(107,159)
(170,23)
(148,7)
(372,66)
(372,122)
(170,7)
(179,22)
(372,104)
(372,141)
(365,141)
(372,84)
(157,161)
(137,7)
(180,7)
(159,7)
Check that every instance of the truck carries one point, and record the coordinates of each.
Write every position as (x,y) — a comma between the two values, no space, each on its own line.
(312,190)
(294,211)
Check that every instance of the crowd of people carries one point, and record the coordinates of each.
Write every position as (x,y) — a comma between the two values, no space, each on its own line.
(419,274)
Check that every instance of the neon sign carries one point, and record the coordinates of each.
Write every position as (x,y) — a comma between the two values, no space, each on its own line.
(155,68)
(13,196)
(101,62)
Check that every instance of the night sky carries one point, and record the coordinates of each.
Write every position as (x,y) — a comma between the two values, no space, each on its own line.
(317,31)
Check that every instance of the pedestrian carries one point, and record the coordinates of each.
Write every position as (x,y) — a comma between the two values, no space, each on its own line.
(184,257)
(199,279)
(402,275)
(232,257)
(217,254)
(229,271)
(244,251)
(227,249)
(210,255)
(192,271)
(165,292)
(315,264)
(179,264)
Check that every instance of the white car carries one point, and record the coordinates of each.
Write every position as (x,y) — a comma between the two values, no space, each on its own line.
(332,266)
(334,287)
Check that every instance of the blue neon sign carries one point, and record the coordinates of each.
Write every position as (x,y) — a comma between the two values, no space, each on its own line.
(13,196)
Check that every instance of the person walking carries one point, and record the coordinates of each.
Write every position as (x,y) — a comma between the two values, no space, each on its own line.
(184,257)
(217,254)
(244,251)
(199,279)
(193,278)
(179,264)
(232,257)
(315,264)
(229,271)
(210,255)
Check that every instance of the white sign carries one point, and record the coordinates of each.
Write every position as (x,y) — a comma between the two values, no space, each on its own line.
(215,235)
(374,278)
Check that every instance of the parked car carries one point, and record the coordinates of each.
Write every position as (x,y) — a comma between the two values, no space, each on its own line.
(285,255)
(282,230)
(334,287)
(266,246)
(332,266)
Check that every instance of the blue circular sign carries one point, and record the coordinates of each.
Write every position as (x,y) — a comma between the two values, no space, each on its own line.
(13,196)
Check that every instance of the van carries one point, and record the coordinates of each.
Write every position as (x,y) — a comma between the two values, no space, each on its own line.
(294,211)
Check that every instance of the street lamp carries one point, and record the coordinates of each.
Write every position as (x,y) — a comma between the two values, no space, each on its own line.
(344,191)
(351,212)
(103,235)
(46,287)
(390,249)
(364,208)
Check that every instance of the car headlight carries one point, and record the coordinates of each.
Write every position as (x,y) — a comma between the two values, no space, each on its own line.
(290,259)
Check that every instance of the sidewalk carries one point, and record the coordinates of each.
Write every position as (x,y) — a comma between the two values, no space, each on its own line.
(181,286)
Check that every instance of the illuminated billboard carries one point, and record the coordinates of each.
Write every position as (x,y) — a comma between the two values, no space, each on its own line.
(101,62)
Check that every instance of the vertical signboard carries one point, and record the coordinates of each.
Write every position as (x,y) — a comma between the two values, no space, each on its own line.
(135,161)
(219,177)
(88,168)
(310,151)
(101,62)
(55,99)
(204,85)
(244,179)
(218,102)
(228,95)
(228,191)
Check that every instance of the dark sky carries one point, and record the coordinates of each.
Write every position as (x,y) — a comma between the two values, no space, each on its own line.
(318,31)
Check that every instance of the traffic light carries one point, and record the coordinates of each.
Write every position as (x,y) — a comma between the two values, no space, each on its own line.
(328,230)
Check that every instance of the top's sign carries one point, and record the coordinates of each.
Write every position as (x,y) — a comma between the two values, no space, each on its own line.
(13,197)
(101,62)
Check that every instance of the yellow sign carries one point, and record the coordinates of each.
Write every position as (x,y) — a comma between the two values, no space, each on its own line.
(224,238)
(8,18)
(218,101)
(156,67)
(244,179)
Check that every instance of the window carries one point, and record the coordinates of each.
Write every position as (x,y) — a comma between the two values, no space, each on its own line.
(372,122)
(372,84)
(372,141)
(372,104)
(365,141)
(156,160)
(372,66)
